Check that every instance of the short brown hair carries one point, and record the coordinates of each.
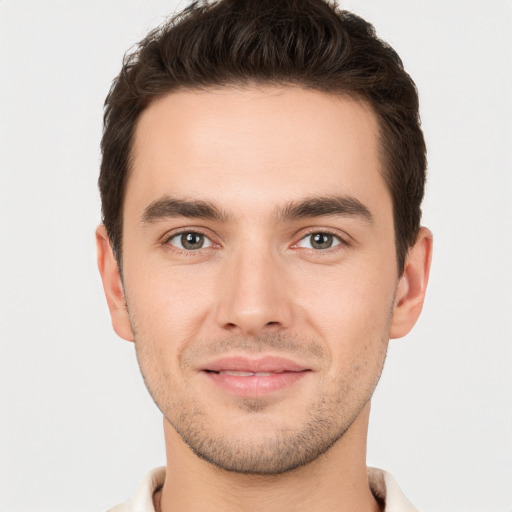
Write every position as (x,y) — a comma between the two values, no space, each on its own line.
(305,43)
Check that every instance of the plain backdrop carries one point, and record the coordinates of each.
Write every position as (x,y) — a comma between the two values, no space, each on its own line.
(77,427)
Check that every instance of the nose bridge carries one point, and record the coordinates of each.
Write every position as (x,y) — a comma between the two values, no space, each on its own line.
(253,296)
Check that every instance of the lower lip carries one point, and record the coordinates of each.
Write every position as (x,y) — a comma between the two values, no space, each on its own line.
(255,385)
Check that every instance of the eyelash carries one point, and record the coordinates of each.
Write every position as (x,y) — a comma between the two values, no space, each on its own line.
(341,241)
(188,252)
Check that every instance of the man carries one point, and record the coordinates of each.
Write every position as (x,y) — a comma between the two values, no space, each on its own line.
(262,174)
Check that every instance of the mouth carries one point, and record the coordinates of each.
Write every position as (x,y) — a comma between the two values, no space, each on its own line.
(238,373)
(247,377)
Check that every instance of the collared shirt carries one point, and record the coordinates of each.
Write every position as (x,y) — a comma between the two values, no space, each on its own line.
(382,484)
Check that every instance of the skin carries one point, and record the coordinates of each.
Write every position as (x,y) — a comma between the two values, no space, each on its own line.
(259,286)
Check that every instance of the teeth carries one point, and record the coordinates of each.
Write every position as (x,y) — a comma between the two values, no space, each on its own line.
(245,374)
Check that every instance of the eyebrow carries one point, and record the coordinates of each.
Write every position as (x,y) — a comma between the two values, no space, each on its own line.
(325,205)
(316,206)
(169,207)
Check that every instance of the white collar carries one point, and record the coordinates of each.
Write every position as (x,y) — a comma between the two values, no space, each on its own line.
(382,484)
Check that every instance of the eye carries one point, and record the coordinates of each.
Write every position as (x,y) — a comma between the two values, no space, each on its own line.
(189,241)
(319,241)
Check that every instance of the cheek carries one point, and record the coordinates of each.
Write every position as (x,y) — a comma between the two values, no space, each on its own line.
(165,308)
(353,321)
(165,301)
(350,307)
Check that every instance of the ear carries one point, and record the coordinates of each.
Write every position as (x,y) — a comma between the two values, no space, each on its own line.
(412,286)
(113,285)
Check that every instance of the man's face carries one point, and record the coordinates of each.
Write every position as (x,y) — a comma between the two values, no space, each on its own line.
(259,269)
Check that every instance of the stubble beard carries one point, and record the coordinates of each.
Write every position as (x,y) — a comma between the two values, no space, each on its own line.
(280,450)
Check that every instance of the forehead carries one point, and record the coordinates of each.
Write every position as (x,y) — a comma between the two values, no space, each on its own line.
(257,144)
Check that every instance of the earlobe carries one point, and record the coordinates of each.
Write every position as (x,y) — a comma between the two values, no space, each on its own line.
(410,293)
(113,285)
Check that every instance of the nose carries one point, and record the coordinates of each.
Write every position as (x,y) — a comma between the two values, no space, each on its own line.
(254,295)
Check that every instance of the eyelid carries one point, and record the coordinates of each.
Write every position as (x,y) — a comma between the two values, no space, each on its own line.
(343,238)
(182,231)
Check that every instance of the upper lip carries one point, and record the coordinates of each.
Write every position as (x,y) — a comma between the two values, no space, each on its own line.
(267,364)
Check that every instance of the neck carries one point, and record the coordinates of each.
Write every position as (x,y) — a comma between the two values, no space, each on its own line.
(337,480)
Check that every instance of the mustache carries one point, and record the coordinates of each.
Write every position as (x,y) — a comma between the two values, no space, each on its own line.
(275,342)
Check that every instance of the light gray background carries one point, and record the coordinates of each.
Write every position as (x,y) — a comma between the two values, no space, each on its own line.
(77,428)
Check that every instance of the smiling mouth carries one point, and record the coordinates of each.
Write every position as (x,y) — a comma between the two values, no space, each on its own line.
(245,374)
(243,365)
(245,377)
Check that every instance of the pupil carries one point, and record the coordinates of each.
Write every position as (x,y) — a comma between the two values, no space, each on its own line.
(192,240)
(322,241)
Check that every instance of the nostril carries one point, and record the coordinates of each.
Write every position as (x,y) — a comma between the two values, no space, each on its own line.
(251,329)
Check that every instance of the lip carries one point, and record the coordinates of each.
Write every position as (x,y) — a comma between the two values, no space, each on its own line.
(278,373)
(273,364)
